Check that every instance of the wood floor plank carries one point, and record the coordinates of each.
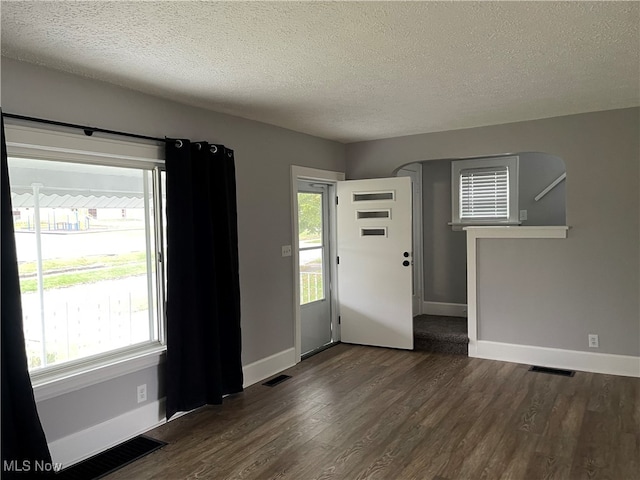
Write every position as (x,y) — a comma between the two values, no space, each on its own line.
(355,412)
(627,456)
(601,397)
(251,462)
(450,423)
(491,419)
(344,427)
(627,405)
(386,464)
(510,457)
(369,436)
(432,377)
(540,402)
(595,454)
(305,462)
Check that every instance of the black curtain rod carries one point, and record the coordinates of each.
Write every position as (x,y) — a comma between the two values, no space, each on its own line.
(87,130)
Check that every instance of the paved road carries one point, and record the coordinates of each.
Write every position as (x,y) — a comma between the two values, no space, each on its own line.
(73,245)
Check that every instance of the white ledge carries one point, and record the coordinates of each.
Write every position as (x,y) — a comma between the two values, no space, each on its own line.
(48,385)
(550,231)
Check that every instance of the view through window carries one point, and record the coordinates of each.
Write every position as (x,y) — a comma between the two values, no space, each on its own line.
(86,245)
(311,246)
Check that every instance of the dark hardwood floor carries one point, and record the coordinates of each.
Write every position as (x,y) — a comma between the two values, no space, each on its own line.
(354,412)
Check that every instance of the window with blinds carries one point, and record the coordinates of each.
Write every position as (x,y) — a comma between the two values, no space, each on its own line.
(484,193)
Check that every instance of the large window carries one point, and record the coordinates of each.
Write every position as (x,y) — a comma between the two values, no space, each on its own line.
(485,191)
(88,227)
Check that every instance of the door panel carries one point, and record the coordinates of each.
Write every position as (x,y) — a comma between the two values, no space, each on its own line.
(375,272)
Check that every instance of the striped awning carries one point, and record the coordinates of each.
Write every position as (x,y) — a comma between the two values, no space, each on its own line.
(26,200)
(67,185)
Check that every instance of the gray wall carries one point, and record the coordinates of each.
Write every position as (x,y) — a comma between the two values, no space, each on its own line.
(75,411)
(445,250)
(541,314)
(263,154)
(590,281)
(536,172)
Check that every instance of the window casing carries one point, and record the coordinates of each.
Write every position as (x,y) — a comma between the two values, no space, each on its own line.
(90,241)
(485,191)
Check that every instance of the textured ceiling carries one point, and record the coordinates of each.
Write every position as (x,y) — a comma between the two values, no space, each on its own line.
(347,71)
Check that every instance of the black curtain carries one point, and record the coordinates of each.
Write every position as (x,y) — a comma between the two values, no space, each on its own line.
(23,439)
(203,287)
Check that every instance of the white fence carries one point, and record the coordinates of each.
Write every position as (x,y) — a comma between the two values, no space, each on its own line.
(311,287)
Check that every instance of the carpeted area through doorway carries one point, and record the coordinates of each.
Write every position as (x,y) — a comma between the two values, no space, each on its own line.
(434,333)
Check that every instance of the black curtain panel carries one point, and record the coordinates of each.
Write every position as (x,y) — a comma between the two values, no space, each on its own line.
(23,440)
(203,288)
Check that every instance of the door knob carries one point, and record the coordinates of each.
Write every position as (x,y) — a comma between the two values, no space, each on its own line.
(406,263)
(405,254)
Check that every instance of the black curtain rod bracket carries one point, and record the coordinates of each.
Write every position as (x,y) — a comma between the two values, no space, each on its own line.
(88,131)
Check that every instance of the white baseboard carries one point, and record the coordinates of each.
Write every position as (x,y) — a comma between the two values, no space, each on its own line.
(624,365)
(88,442)
(444,309)
(267,367)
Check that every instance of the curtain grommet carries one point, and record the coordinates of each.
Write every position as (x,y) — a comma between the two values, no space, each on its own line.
(214,149)
(179,144)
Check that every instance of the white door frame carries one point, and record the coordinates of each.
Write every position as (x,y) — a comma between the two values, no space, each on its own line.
(418,240)
(324,176)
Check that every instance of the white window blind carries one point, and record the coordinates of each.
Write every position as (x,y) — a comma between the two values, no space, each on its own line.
(484,193)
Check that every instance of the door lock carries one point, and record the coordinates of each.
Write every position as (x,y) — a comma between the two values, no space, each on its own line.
(406,263)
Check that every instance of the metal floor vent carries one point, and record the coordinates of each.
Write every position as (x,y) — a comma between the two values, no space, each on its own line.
(552,371)
(111,460)
(276,380)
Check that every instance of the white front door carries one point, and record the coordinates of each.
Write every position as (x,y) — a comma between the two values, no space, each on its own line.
(374,234)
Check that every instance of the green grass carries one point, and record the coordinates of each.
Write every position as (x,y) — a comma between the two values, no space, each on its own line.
(307,235)
(26,268)
(70,279)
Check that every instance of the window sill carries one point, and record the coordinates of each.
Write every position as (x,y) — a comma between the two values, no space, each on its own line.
(462,226)
(550,231)
(64,380)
